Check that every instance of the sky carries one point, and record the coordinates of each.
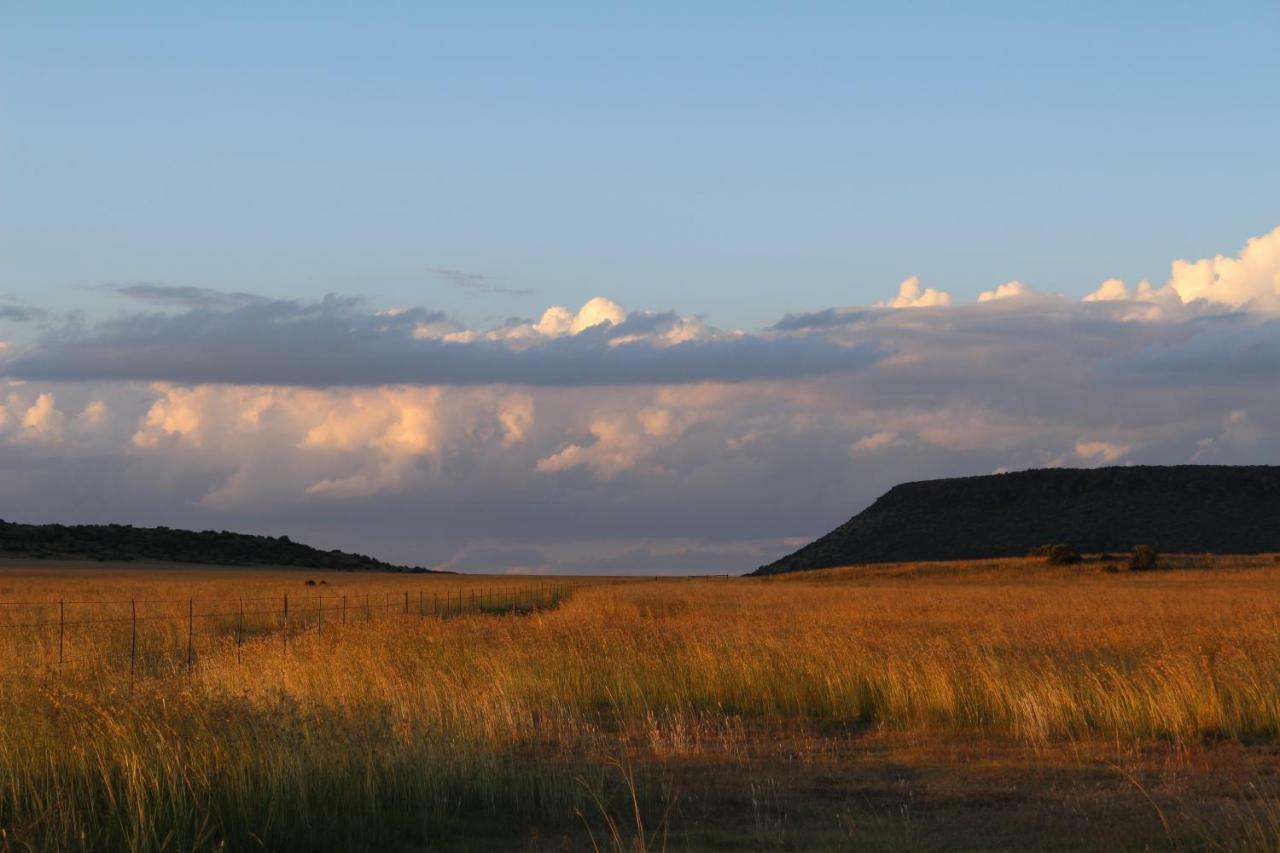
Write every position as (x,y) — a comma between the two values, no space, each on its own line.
(563,287)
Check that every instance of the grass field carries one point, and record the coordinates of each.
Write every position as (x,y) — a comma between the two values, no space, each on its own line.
(994,705)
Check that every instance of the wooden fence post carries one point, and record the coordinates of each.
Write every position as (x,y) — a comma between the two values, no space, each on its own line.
(285,633)
(239,630)
(191,633)
(319,613)
(133,640)
(62,629)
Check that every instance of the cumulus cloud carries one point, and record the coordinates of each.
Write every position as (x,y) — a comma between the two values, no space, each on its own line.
(876,441)
(1008,290)
(42,421)
(1251,278)
(911,295)
(1101,452)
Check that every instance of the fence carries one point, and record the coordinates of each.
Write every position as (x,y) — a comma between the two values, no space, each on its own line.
(153,637)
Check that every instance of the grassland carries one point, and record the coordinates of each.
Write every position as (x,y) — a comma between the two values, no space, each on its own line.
(976,706)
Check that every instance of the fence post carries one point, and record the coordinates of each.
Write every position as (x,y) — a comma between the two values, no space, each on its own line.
(285,633)
(133,640)
(435,604)
(239,630)
(344,608)
(368,611)
(406,602)
(191,633)
(62,628)
(319,613)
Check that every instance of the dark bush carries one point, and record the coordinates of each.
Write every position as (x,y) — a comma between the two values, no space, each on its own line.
(1143,558)
(1062,555)
(1039,551)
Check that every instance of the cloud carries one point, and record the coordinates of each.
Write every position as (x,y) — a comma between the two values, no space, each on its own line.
(180,296)
(876,441)
(1252,278)
(22,314)
(910,295)
(42,421)
(477,282)
(1111,290)
(1008,290)
(598,439)
(828,318)
(1101,452)
(337,342)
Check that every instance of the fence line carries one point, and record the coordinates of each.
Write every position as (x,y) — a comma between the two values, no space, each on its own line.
(230,620)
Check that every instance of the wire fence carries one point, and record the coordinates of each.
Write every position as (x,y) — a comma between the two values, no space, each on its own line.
(164,636)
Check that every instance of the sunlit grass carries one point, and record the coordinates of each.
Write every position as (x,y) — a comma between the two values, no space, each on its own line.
(406,728)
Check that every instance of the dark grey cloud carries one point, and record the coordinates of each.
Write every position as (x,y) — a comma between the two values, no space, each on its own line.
(477,282)
(1216,351)
(22,314)
(824,319)
(182,296)
(336,342)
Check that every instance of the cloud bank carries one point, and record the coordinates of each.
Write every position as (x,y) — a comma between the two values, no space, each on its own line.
(602,439)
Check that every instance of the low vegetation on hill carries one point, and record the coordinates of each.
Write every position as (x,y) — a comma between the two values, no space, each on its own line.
(125,543)
(1191,509)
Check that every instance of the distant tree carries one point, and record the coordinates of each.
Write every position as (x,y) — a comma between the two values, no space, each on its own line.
(1061,555)
(1143,558)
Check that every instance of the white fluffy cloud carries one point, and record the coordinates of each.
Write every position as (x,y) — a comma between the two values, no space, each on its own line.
(912,295)
(1008,290)
(1248,280)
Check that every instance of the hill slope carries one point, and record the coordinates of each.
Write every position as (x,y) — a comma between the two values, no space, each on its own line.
(122,542)
(1180,508)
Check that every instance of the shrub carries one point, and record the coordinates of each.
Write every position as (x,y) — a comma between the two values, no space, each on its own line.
(1061,555)
(1143,558)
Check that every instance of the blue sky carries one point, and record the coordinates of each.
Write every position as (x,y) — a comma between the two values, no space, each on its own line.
(733,160)
(499,287)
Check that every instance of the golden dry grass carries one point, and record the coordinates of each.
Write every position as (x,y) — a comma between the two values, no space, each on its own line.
(959,706)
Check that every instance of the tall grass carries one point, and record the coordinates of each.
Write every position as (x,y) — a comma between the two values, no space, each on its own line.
(410,730)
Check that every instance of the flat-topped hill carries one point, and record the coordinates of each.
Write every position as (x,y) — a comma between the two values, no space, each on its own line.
(1222,509)
(123,542)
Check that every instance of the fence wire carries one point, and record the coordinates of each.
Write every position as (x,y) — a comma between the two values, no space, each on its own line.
(156,637)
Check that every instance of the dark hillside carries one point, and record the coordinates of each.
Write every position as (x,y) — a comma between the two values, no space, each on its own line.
(1182,508)
(122,542)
